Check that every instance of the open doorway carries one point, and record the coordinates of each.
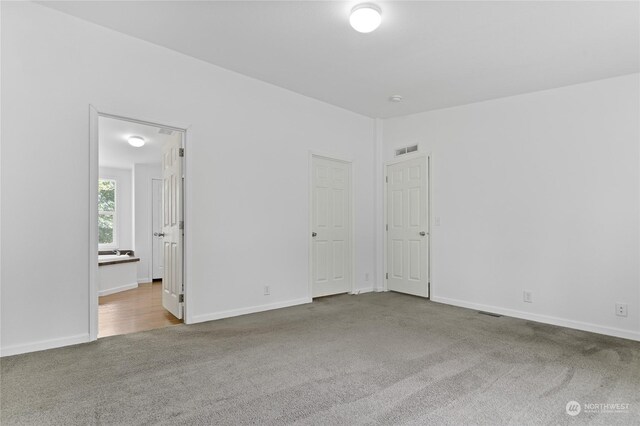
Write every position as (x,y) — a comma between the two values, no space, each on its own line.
(139,221)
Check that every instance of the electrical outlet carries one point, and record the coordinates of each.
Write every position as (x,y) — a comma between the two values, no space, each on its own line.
(267,290)
(527,296)
(621,309)
(366,276)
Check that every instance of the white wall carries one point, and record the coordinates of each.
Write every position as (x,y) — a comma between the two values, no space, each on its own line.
(247,157)
(124,204)
(537,192)
(142,176)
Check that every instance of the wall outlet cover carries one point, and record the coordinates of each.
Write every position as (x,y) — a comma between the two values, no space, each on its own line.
(621,309)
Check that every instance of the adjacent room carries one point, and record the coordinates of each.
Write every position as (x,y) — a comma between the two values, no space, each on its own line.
(320,212)
(132,207)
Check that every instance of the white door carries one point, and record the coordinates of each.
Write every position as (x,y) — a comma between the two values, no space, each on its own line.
(331,227)
(157,254)
(408,227)
(172,227)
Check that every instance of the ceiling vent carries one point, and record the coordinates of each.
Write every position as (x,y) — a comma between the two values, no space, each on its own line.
(164,131)
(406,150)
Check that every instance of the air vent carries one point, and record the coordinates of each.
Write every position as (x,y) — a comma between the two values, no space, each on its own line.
(490,314)
(406,150)
(164,131)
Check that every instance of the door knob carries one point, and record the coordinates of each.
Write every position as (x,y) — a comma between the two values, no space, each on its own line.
(422,233)
(313,234)
(158,234)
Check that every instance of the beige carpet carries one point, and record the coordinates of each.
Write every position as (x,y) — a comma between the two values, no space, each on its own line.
(381,358)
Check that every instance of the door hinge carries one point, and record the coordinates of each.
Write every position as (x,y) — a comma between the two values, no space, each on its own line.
(181,152)
(181,298)
(387,226)
(386,276)
(386,179)
(181,224)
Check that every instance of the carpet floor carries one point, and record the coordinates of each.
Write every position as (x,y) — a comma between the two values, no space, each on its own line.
(378,358)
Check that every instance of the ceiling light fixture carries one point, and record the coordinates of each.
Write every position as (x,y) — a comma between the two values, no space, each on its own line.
(395,98)
(365,17)
(136,141)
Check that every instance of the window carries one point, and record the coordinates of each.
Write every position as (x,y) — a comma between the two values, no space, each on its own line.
(107,213)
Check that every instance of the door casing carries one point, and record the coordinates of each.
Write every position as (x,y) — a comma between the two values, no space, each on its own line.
(429,161)
(312,155)
(94,115)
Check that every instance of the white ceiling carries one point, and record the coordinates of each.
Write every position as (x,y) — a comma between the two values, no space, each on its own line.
(434,53)
(115,151)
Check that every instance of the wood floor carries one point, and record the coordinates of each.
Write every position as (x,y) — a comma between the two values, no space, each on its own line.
(133,310)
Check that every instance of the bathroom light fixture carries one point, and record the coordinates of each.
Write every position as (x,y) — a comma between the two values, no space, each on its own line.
(365,17)
(136,141)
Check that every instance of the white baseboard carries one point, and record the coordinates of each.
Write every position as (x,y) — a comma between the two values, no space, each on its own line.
(118,289)
(144,280)
(363,290)
(44,344)
(244,311)
(562,322)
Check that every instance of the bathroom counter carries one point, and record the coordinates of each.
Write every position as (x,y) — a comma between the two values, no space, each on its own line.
(115,259)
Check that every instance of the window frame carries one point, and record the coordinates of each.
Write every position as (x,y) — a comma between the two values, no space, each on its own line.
(115,214)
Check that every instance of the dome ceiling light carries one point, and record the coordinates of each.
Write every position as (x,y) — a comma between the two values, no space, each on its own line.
(365,17)
(136,141)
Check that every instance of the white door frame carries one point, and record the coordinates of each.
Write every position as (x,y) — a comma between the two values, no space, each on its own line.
(94,115)
(406,157)
(352,239)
